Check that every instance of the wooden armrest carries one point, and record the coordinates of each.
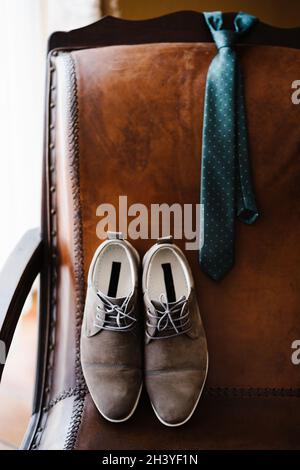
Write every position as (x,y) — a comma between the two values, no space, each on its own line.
(16,279)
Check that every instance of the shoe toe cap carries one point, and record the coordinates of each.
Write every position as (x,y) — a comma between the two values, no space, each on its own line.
(114,392)
(175,394)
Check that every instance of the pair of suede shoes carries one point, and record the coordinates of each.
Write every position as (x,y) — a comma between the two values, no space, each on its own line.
(123,346)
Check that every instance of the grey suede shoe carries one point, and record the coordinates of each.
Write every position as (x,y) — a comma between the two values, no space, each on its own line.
(176,357)
(111,330)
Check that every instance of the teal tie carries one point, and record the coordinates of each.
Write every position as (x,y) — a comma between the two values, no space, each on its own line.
(226,188)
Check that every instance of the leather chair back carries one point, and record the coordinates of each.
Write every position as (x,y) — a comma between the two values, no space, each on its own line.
(127,120)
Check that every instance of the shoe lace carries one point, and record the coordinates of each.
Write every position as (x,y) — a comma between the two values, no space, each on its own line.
(172,318)
(116,317)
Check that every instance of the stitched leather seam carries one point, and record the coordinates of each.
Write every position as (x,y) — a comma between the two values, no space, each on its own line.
(73,391)
(74,168)
(216,392)
(252,392)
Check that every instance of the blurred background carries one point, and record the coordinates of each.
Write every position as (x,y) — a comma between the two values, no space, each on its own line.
(25,26)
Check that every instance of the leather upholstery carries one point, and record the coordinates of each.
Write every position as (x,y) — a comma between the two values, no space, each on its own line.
(130,118)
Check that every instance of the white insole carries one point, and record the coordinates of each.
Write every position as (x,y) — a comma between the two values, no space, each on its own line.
(103,268)
(156,280)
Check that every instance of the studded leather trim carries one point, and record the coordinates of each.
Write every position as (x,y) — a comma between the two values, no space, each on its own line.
(79,391)
(50,142)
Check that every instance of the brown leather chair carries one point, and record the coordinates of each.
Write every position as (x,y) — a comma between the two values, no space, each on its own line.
(124,116)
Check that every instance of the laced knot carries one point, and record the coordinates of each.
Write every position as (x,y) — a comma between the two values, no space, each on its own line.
(170,318)
(113,316)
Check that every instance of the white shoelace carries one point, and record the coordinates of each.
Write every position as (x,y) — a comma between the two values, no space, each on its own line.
(114,317)
(169,317)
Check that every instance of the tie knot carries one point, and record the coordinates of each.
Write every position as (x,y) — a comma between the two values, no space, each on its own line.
(224,38)
(228,37)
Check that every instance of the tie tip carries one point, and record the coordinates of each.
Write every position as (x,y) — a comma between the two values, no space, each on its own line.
(217,274)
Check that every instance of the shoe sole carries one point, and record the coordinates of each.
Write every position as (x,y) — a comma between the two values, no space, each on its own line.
(194,408)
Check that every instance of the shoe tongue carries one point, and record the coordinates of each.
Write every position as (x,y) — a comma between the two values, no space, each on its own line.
(157,304)
(114,300)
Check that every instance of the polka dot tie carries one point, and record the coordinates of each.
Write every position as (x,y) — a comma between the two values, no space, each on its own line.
(226,187)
